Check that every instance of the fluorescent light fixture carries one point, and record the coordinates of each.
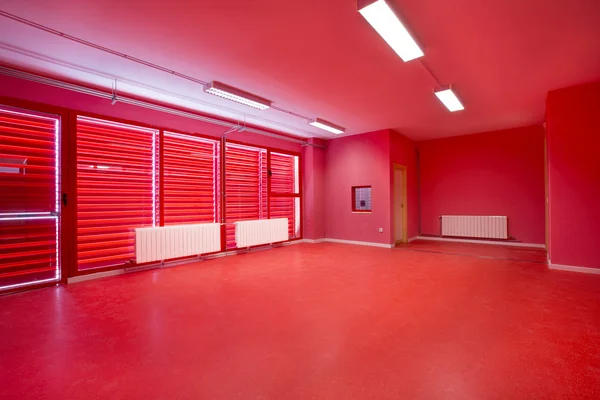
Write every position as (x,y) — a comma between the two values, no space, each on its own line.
(388,25)
(449,99)
(237,95)
(326,125)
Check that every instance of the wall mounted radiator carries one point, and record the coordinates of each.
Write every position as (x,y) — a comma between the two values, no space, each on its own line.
(484,227)
(262,231)
(165,242)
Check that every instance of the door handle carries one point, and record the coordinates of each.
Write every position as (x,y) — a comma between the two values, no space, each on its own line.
(64,199)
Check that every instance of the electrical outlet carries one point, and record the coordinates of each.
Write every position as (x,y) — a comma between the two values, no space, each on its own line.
(380,230)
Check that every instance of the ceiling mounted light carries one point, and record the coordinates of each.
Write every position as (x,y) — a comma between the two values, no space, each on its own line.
(388,25)
(237,95)
(326,125)
(448,97)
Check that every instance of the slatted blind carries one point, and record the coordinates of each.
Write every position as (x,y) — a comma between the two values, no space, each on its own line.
(27,251)
(27,162)
(287,207)
(191,179)
(285,181)
(284,173)
(117,186)
(245,186)
(28,197)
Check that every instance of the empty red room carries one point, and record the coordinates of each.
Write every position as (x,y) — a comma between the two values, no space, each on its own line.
(342,199)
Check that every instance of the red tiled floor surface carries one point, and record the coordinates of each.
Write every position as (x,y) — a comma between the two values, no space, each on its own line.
(310,321)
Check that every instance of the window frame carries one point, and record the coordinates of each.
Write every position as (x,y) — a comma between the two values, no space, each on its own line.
(297,195)
(60,116)
(156,180)
(216,183)
(270,193)
(353,189)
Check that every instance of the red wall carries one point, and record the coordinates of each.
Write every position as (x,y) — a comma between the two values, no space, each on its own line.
(403,152)
(492,173)
(573,143)
(367,160)
(359,160)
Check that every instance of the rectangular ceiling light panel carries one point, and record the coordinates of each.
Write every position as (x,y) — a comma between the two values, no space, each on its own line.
(450,100)
(237,95)
(326,125)
(388,25)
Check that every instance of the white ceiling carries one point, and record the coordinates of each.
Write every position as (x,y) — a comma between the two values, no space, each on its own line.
(320,58)
(62,58)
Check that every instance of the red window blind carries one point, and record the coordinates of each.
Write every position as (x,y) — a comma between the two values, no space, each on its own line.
(287,207)
(245,186)
(117,183)
(191,179)
(285,186)
(29,181)
(27,251)
(27,162)
(284,173)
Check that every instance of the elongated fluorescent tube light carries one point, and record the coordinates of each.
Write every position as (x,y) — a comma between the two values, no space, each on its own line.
(237,95)
(388,25)
(326,125)
(449,99)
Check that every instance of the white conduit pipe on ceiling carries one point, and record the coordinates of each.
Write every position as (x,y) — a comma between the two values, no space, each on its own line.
(127,100)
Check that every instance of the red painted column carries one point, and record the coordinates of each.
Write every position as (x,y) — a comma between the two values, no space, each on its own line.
(573,143)
(313,181)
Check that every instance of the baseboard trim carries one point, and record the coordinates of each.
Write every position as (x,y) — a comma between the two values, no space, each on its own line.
(97,275)
(292,242)
(167,264)
(514,244)
(412,239)
(354,242)
(358,243)
(572,268)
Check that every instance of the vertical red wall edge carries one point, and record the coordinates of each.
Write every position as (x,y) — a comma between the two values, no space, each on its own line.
(573,140)
(69,176)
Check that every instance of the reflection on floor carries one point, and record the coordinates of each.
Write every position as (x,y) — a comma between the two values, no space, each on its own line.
(478,250)
(311,321)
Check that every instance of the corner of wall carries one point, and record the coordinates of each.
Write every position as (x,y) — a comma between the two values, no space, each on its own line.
(573,170)
(314,220)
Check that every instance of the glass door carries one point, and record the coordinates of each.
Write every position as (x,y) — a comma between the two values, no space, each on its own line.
(29,198)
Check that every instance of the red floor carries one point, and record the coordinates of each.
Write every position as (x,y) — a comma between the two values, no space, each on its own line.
(310,321)
(515,253)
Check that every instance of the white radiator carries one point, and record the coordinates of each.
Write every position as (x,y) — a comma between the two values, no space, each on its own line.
(165,242)
(489,227)
(261,231)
